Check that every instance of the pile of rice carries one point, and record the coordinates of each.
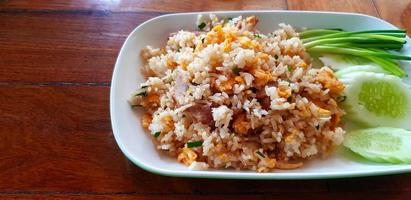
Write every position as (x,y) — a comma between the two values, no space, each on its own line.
(227,96)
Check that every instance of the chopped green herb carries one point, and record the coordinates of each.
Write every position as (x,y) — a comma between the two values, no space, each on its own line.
(202,25)
(290,69)
(236,71)
(142,93)
(136,106)
(144,86)
(341,99)
(230,18)
(156,134)
(194,144)
(272,34)
(260,154)
(256,35)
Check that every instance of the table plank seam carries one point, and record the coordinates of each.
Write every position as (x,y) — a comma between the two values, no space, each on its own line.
(376,9)
(162,193)
(12,84)
(184,193)
(78,12)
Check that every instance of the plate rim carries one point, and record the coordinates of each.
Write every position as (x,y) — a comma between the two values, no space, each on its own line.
(240,174)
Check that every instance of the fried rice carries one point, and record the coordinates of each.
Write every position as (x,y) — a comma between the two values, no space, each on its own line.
(228,96)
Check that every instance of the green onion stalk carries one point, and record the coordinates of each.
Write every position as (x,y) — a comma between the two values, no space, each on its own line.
(377,46)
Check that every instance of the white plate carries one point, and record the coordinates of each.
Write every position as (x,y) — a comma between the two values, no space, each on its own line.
(137,145)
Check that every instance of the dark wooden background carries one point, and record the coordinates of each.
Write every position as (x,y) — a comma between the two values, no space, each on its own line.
(56,61)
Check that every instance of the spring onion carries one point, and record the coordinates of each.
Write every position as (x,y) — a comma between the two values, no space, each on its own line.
(256,35)
(136,106)
(142,93)
(316,32)
(202,25)
(156,134)
(260,154)
(194,144)
(357,52)
(341,99)
(236,71)
(370,45)
(342,34)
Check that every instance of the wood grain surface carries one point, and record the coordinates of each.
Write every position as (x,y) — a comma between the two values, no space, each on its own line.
(56,61)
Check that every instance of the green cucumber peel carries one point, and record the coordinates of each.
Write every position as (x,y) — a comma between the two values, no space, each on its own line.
(382,144)
(376,99)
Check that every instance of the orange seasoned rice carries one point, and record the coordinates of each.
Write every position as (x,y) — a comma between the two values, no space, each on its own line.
(228,96)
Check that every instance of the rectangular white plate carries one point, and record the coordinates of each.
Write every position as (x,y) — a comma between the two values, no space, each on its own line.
(137,145)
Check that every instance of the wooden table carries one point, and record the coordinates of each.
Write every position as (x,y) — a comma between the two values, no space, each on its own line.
(56,61)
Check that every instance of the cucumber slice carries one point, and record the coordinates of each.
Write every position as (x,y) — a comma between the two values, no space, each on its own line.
(382,144)
(338,62)
(375,99)
(360,68)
